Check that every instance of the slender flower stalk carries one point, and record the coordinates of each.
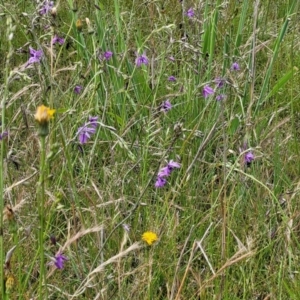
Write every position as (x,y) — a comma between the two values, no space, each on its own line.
(41,204)
(43,116)
(9,34)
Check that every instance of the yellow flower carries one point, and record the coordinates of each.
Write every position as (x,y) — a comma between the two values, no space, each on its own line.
(79,25)
(149,237)
(44,114)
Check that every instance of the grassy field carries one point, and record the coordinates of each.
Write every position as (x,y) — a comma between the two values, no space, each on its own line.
(149,149)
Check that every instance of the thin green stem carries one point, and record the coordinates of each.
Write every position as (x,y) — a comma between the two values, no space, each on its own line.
(41,199)
(2,155)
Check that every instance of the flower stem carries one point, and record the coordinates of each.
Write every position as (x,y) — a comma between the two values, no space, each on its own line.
(41,201)
(2,153)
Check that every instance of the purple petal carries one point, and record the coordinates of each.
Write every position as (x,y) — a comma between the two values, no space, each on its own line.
(173,164)
(166,106)
(141,60)
(235,66)
(160,182)
(207,91)
(164,172)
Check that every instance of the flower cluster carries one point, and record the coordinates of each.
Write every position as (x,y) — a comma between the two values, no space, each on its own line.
(85,132)
(166,172)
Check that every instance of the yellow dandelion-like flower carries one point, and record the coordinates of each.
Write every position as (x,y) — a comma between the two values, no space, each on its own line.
(79,25)
(44,114)
(10,282)
(149,237)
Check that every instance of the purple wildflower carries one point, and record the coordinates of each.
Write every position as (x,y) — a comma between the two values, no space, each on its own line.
(107,55)
(47,6)
(220,97)
(171,58)
(59,261)
(160,182)
(58,40)
(190,13)
(35,56)
(89,128)
(165,172)
(77,89)
(207,90)
(3,135)
(84,133)
(166,106)
(172,78)
(219,82)
(173,164)
(249,157)
(235,67)
(141,60)
(93,121)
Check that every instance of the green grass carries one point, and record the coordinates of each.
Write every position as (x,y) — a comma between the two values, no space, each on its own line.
(226,230)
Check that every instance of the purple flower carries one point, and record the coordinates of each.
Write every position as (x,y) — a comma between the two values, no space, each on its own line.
(89,128)
(58,40)
(190,13)
(166,105)
(3,135)
(93,121)
(160,182)
(59,261)
(219,82)
(35,56)
(77,89)
(172,78)
(47,6)
(141,60)
(207,90)
(173,164)
(107,55)
(84,133)
(249,157)
(166,172)
(235,67)
(171,58)
(220,97)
